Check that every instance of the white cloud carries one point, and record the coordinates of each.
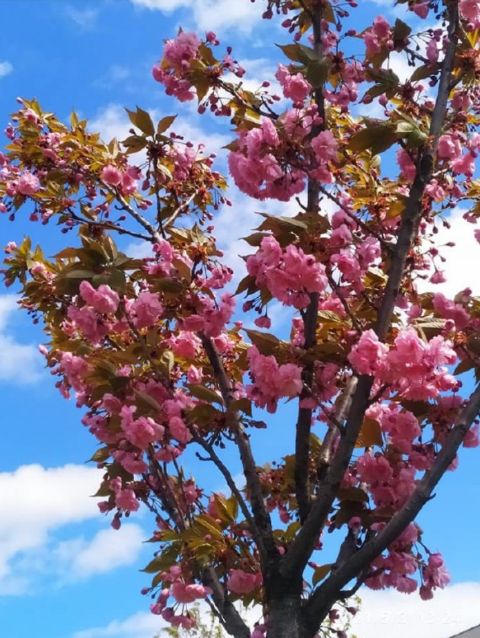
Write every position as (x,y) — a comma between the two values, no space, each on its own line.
(398,615)
(162,5)
(462,260)
(115,74)
(141,625)
(381,613)
(19,363)
(107,550)
(211,15)
(110,122)
(398,10)
(83,18)
(35,501)
(5,68)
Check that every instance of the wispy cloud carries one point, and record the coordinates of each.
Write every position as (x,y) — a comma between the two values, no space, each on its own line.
(117,74)
(211,14)
(81,558)
(141,625)
(5,68)
(19,363)
(397,615)
(34,502)
(84,18)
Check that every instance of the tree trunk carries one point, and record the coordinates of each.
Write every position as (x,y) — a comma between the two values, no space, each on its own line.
(284,618)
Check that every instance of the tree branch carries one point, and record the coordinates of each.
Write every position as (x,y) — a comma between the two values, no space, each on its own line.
(310,318)
(229,480)
(300,550)
(229,616)
(265,540)
(320,602)
(106,226)
(154,234)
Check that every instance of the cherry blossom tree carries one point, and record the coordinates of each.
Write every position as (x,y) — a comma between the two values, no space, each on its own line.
(164,369)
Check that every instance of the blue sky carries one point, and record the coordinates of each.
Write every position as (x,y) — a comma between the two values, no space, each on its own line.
(63,572)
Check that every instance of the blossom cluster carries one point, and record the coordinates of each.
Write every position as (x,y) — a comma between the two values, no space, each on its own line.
(288,274)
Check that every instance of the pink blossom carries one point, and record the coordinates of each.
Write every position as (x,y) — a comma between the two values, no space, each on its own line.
(142,431)
(435,573)
(241,582)
(263,322)
(464,164)
(256,169)
(401,425)
(188,593)
(125,499)
(379,36)
(438,277)
(348,265)
(368,353)
(27,184)
(325,146)
(87,322)
(418,369)
(146,309)
(271,380)
(295,86)
(435,190)
(215,317)
(472,437)
(432,50)
(449,147)
(179,430)
(194,375)
(185,344)
(470,12)
(75,369)
(421,9)
(181,49)
(103,299)
(288,274)
(374,469)
(450,310)
(111,175)
(407,167)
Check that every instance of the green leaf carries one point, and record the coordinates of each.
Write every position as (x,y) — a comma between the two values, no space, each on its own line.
(370,434)
(227,508)
(241,405)
(255,239)
(165,123)
(352,494)
(423,72)
(401,31)
(134,143)
(266,343)
(77,274)
(292,51)
(207,56)
(246,284)
(320,573)
(377,138)
(205,394)
(464,366)
(101,455)
(142,120)
(317,72)
(277,221)
(147,400)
